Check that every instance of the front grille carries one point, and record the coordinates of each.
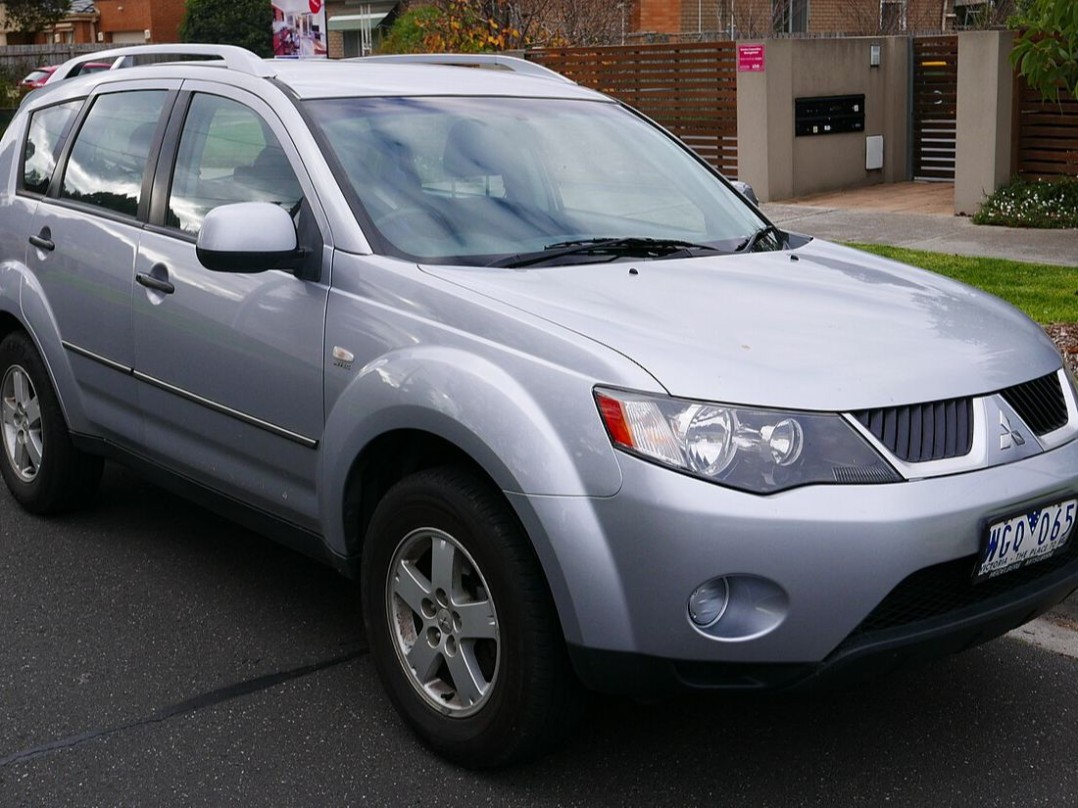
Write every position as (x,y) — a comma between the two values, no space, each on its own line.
(946,587)
(917,433)
(1039,403)
(920,432)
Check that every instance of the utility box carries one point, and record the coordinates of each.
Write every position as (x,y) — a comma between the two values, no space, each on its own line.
(873,152)
(829,115)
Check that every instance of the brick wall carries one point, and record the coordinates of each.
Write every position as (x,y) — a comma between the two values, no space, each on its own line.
(123,15)
(161,17)
(702,15)
(754,17)
(663,16)
(863,16)
(335,44)
(166,16)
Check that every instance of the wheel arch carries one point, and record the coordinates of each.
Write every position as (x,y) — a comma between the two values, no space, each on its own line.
(398,453)
(9,324)
(384,462)
(24,307)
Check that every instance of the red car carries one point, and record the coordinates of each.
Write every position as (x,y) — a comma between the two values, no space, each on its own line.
(40,75)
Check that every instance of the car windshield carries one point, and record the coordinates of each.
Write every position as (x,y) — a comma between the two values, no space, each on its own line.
(498,180)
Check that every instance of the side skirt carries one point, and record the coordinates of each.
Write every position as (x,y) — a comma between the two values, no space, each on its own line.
(282,531)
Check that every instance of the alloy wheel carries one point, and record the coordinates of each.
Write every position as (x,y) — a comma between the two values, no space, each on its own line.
(443,622)
(20,420)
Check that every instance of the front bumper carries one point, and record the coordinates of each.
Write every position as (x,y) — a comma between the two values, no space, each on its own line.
(622,568)
(861,656)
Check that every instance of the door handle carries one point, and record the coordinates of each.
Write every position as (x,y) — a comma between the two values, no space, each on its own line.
(158,285)
(43,240)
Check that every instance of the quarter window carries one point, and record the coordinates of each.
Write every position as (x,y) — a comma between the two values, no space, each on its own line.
(108,159)
(43,143)
(227,154)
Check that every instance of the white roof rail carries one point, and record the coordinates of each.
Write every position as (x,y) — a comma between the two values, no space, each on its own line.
(233,57)
(488,60)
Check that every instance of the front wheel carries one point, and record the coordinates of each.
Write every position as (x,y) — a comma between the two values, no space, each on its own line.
(460,622)
(42,469)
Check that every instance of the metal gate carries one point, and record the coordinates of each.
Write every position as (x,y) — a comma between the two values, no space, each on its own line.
(934,107)
(1047,134)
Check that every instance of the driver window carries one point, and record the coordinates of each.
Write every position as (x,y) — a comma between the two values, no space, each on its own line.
(227,154)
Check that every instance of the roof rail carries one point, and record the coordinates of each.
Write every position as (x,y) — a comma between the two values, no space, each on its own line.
(234,58)
(488,60)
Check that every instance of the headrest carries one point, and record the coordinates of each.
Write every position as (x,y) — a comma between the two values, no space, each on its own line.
(476,149)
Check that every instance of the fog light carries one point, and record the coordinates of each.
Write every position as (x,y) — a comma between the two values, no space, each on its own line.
(708,602)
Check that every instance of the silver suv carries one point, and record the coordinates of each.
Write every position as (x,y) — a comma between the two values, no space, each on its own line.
(571,409)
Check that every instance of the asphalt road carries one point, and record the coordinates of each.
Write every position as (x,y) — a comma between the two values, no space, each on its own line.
(152,654)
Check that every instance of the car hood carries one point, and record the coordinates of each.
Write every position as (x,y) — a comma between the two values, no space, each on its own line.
(820,328)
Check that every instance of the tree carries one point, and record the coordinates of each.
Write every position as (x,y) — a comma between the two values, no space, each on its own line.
(30,16)
(247,23)
(469,26)
(1046,49)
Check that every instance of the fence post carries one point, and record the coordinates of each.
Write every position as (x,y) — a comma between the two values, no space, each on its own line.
(985,126)
(765,124)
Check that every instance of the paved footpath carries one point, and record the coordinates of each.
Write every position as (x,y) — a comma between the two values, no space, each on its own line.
(925,231)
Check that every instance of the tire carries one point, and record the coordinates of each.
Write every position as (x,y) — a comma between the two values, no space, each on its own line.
(40,466)
(470,651)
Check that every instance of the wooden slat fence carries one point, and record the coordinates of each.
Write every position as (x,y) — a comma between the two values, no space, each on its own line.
(1047,134)
(27,57)
(935,107)
(691,89)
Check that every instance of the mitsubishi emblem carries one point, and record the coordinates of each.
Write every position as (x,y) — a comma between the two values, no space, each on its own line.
(1010,437)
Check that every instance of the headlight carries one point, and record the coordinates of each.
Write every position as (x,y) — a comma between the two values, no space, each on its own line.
(752,449)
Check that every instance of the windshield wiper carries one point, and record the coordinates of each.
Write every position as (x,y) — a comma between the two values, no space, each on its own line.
(749,244)
(614,247)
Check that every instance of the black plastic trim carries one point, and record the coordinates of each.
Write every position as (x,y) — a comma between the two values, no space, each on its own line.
(291,535)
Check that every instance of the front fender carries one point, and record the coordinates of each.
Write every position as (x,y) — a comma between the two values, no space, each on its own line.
(543,438)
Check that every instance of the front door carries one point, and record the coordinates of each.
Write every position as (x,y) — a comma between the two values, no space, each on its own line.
(230,365)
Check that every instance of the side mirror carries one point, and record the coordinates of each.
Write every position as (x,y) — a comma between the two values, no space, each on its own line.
(248,237)
(745,190)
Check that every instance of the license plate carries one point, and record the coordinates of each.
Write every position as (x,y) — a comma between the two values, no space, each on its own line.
(1026,539)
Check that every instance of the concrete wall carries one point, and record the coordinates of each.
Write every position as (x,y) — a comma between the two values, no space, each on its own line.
(985,125)
(779,165)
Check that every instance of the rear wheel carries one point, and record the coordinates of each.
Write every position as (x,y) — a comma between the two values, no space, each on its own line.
(461,625)
(40,466)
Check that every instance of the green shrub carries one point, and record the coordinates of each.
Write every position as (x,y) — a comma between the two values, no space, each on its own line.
(1032,203)
(406,35)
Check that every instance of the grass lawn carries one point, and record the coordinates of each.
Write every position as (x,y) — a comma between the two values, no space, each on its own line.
(1047,293)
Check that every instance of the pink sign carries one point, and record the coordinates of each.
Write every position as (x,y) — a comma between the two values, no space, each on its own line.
(750,58)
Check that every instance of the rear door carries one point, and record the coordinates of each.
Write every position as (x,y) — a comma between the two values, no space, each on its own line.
(84,237)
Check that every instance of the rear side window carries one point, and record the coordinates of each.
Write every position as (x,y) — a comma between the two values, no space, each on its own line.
(47,128)
(227,154)
(108,159)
